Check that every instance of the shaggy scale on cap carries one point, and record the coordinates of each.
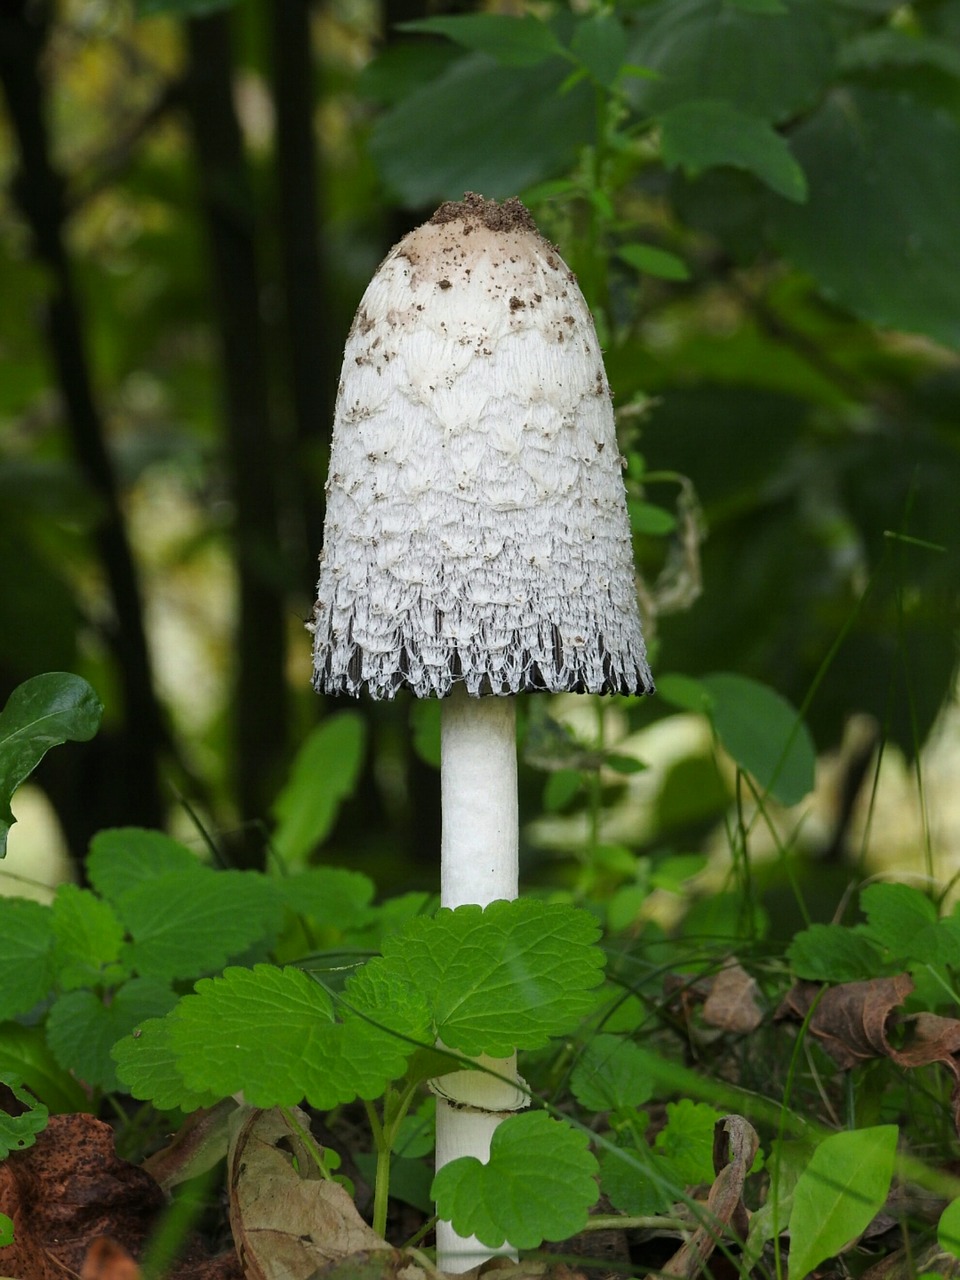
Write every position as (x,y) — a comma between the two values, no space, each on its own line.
(476,525)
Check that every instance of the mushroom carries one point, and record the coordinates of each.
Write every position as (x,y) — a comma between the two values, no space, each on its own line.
(476,544)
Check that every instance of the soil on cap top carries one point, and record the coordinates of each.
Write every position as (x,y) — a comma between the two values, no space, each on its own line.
(509,216)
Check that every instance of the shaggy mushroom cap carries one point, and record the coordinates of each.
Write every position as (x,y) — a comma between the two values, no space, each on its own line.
(476,525)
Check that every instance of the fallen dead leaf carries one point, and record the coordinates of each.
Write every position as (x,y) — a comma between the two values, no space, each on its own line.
(107,1260)
(733,1002)
(198,1144)
(850,1020)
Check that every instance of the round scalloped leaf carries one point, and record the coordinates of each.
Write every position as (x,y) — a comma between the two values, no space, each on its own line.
(878,231)
(122,857)
(88,936)
(611,1073)
(26,955)
(147,1065)
(508,977)
(538,1184)
(271,1033)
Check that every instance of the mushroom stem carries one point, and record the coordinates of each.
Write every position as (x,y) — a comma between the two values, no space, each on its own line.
(478,864)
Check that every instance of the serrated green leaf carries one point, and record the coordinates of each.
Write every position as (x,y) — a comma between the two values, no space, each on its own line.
(610,1073)
(510,976)
(654,262)
(27,971)
(19,1132)
(838,1194)
(522,41)
(687,1140)
(88,936)
(948,1229)
(328,896)
(763,734)
(147,1065)
(538,1184)
(637,1181)
(40,714)
(696,136)
(25,1054)
(877,233)
(834,953)
(82,1029)
(271,1033)
(600,44)
(187,924)
(121,858)
(896,915)
(323,775)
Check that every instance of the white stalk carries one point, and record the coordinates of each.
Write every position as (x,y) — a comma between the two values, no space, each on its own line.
(478,864)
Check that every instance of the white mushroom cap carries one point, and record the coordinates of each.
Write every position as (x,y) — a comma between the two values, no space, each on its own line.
(476,525)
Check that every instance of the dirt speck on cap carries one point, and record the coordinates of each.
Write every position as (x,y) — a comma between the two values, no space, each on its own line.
(509,216)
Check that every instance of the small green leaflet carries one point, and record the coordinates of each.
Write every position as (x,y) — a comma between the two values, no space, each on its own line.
(538,1184)
(638,1181)
(896,915)
(40,714)
(88,937)
(504,978)
(834,953)
(324,773)
(708,134)
(610,1074)
(26,955)
(329,896)
(838,1194)
(20,1132)
(24,1053)
(121,858)
(652,261)
(6,1230)
(82,1028)
(948,1229)
(513,42)
(600,45)
(687,1140)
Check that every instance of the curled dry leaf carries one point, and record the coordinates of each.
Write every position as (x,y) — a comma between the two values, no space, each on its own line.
(735,1145)
(733,1002)
(850,1020)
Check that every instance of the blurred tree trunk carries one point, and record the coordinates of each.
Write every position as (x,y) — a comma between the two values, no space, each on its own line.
(311,341)
(259,696)
(124,787)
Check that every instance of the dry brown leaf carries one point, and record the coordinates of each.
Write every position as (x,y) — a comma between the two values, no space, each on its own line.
(288,1223)
(107,1260)
(733,1003)
(735,1145)
(850,1020)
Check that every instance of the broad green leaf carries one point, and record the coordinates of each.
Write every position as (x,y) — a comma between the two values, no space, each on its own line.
(271,1033)
(684,692)
(182,925)
(654,262)
(600,44)
(896,915)
(700,135)
(637,1181)
(7,1235)
(948,1229)
(687,1140)
(763,734)
(147,1065)
(482,127)
(26,955)
(772,66)
(25,1054)
(560,788)
(82,1029)
(329,896)
(324,774)
(889,47)
(877,232)
(510,976)
(538,1184)
(610,1073)
(524,41)
(40,714)
(401,68)
(19,1132)
(88,936)
(834,953)
(838,1194)
(121,858)
(650,519)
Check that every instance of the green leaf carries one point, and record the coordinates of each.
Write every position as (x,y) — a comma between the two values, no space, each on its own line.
(401,68)
(6,1231)
(187,924)
(40,714)
(513,42)
(324,774)
(948,1229)
(600,44)
(687,1141)
(772,67)
(896,915)
(481,127)
(637,1181)
(27,969)
(88,936)
(695,136)
(121,858)
(836,1197)
(19,1132)
(538,1184)
(25,1054)
(650,519)
(877,233)
(329,896)
(763,734)
(654,262)
(685,693)
(507,977)
(147,1065)
(610,1073)
(179,8)
(560,788)
(889,47)
(834,953)
(82,1029)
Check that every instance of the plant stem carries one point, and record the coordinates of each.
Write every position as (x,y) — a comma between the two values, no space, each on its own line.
(478,781)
